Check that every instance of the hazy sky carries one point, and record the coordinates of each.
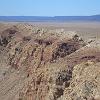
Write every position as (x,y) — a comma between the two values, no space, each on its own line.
(49,7)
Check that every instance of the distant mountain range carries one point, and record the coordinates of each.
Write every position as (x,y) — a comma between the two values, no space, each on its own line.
(49,19)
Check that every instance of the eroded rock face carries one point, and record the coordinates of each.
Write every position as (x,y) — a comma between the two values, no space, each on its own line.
(51,65)
(7,35)
(85,83)
(43,49)
(67,47)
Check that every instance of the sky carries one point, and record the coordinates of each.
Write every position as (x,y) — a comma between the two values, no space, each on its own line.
(49,7)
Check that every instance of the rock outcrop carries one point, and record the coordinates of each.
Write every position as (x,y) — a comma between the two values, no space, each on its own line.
(49,65)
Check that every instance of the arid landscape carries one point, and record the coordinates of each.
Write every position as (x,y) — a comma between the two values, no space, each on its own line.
(50,61)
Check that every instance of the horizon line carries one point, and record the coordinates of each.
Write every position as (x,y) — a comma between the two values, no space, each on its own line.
(48,16)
